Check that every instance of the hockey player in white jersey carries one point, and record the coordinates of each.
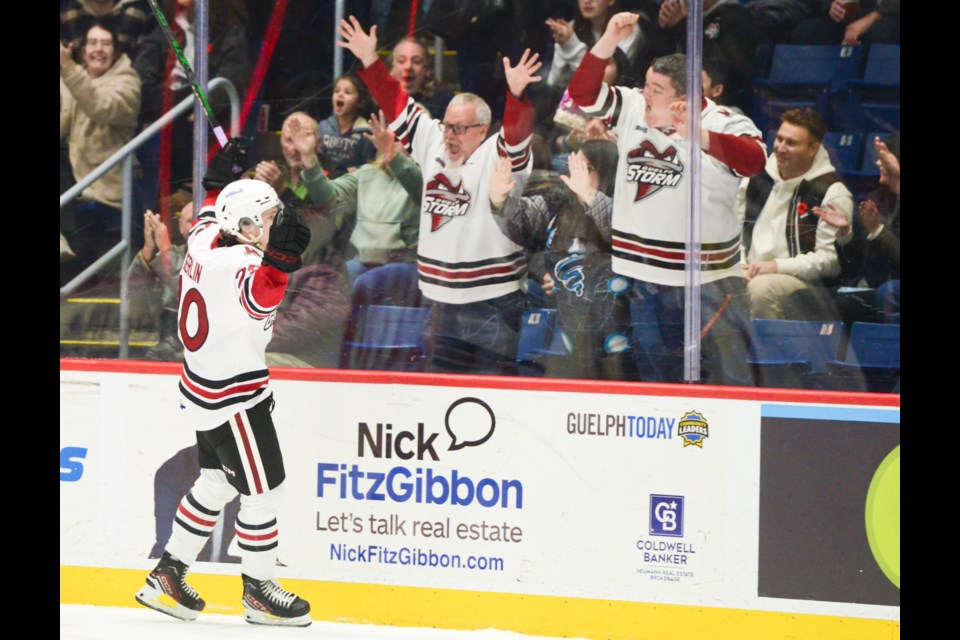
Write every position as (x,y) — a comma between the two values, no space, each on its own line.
(240,251)
(648,225)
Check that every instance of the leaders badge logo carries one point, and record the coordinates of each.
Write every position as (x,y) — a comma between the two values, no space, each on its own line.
(693,429)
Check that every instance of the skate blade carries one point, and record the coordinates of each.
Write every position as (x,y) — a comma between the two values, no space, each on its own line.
(160,601)
(259,617)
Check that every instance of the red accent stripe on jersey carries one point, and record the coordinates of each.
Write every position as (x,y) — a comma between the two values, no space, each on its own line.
(719,256)
(637,248)
(587,82)
(386,90)
(252,311)
(518,119)
(666,254)
(264,289)
(230,391)
(248,452)
(249,305)
(191,516)
(518,159)
(744,154)
(210,200)
(262,536)
(199,225)
(478,273)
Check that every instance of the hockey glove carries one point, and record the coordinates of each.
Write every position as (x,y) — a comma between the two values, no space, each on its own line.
(289,237)
(228,165)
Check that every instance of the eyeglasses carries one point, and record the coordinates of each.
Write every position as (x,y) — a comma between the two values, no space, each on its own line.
(92,44)
(458,129)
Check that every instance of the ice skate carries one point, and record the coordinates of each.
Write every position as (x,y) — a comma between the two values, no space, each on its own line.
(265,602)
(167,590)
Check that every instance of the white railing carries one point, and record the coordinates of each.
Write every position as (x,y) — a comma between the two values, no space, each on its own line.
(125,155)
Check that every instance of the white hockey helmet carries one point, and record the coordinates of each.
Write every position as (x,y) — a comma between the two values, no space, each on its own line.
(244,200)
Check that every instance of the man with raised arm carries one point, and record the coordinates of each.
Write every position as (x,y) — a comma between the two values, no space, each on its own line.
(649,229)
(467,267)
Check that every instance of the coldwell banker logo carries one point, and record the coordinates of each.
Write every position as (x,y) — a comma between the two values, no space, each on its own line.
(666,516)
(469,422)
(693,429)
(666,560)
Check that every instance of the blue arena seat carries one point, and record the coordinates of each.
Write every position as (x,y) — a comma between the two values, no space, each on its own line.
(872,102)
(871,361)
(387,338)
(833,65)
(767,112)
(393,284)
(769,138)
(793,353)
(804,75)
(540,339)
(883,65)
(878,116)
(865,178)
(844,149)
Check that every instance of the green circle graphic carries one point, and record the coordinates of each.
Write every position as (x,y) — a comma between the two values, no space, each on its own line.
(883,516)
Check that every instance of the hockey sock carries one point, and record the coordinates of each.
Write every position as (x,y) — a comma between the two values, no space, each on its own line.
(258,535)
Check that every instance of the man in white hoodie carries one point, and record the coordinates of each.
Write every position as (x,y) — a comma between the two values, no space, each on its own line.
(790,253)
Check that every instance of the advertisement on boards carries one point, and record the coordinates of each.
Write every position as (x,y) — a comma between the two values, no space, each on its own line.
(499,490)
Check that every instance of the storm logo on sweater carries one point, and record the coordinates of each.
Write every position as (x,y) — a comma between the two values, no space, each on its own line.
(652,169)
(444,200)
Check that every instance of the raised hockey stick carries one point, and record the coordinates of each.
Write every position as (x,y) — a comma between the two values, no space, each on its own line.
(191,78)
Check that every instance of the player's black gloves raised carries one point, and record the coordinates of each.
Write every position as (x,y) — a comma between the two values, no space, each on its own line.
(228,165)
(289,237)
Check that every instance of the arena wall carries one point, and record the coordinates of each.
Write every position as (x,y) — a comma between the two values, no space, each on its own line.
(548,507)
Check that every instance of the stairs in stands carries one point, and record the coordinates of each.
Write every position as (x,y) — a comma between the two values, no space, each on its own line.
(90,325)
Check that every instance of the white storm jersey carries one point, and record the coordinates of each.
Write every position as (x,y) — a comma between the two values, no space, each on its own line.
(463,256)
(225,319)
(650,200)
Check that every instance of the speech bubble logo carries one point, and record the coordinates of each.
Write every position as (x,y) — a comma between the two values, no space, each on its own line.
(470,423)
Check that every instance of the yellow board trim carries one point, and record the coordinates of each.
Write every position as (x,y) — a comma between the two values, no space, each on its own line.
(94,300)
(106,343)
(451,609)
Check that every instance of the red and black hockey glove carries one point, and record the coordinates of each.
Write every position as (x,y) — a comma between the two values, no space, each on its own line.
(289,237)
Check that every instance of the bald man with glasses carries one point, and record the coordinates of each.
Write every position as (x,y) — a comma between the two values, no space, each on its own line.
(467,267)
